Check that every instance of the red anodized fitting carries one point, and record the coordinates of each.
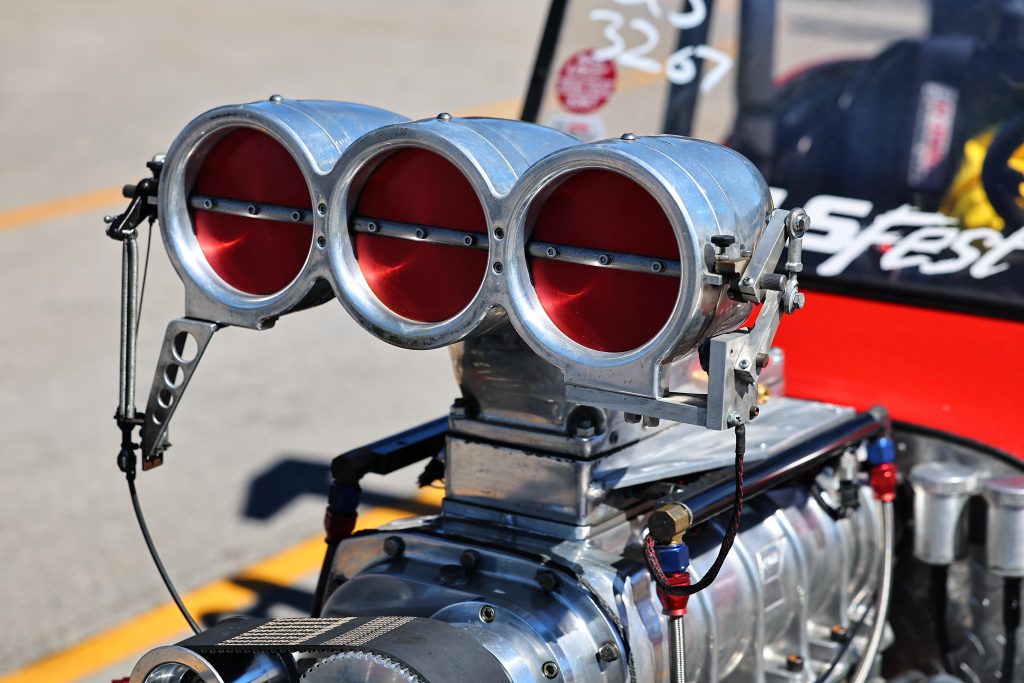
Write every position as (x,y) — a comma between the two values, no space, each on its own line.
(675,605)
(883,481)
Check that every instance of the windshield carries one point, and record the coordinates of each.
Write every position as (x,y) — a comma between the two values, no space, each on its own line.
(898,125)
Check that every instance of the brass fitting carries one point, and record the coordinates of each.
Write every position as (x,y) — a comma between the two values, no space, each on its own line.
(669,523)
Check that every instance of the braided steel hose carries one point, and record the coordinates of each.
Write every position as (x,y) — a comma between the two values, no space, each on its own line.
(677,643)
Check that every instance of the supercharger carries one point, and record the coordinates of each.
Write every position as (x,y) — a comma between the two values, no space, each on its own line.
(629,493)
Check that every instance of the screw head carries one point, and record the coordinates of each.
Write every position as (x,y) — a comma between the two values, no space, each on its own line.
(628,137)
(444,116)
(372,227)
(321,241)
(253,210)
(747,281)
(321,208)
(499,233)
(207,203)
(276,99)
(744,364)
(552,252)
(608,652)
(487,614)
(549,669)
(604,259)
(547,579)
(420,233)
(469,559)
(469,240)
(657,267)
(497,267)
(296,216)
(394,546)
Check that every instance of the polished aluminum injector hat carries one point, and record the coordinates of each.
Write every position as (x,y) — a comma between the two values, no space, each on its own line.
(618,256)
(416,224)
(1005,544)
(243,199)
(941,490)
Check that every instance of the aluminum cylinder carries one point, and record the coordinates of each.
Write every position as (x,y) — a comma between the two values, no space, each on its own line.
(654,202)
(242,204)
(1004,550)
(416,226)
(941,490)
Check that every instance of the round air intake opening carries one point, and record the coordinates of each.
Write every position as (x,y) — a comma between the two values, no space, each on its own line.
(252,212)
(420,236)
(604,261)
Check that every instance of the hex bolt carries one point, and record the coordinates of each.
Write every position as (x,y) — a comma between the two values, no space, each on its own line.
(794,663)
(651,421)
(394,547)
(321,241)
(469,240)
(734,419)
(372,227)
(838,634)
(584,429)
(487,614)
(444,116)
(549,669)
(798,222)
(469,559)
(631,418)
(547,579)
(608,652)
(604,259)
(799,300)
(552,252)
(276,99)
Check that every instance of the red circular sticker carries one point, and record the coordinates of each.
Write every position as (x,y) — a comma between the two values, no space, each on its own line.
(585,84)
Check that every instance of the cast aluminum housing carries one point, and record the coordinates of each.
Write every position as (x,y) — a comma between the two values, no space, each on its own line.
(315,133)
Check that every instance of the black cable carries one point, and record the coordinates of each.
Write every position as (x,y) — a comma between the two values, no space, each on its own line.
(834,513)
(730,534)
(1011,622)
(321,583)
(130,476)
(939,597)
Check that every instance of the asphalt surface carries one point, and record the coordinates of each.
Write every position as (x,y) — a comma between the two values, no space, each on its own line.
(90,92)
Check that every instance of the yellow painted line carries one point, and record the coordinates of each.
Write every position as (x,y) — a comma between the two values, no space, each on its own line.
(164,624)
(59,208)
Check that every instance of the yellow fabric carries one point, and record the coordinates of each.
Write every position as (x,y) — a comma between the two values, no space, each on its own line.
(966,198)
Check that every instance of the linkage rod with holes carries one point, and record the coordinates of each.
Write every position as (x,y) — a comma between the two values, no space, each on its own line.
(432,234)
(543,250)
(235,207)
